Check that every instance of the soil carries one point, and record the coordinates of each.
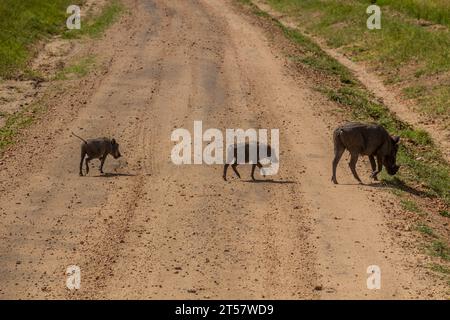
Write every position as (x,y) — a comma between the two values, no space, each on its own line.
(148,229)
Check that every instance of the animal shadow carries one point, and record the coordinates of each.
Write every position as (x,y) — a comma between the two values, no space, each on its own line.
(270,181)
(115,174)
(398,184)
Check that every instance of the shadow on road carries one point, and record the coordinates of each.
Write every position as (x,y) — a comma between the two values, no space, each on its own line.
(399,185)
(110,175)
(271,181)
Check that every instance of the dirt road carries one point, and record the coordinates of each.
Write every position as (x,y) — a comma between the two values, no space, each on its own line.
(151,229)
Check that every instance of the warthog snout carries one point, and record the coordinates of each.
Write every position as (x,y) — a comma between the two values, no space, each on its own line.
(115,149)
(392,170)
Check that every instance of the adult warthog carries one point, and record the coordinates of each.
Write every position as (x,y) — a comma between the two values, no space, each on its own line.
(367,140)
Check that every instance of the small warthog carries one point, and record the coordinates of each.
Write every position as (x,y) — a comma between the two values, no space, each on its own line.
(369,140)
(244,148)
(97,149)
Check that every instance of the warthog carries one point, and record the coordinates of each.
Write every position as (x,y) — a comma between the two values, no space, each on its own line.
(245,149)
(369,140)
(97,149)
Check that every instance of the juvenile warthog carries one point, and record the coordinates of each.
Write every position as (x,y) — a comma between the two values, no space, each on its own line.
(365,139)
(246,149)
(97,149)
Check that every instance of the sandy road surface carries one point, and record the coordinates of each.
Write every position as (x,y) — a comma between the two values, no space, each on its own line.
(151,229)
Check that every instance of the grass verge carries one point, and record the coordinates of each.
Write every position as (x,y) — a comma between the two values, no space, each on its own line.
(95,27)
(405,50)
(422,163)
(18,121)
(22,23)
(440,268)
(443,270)
(35,20)
(439,249)
(410,206)
(436,11)
(76,70)
(425,229)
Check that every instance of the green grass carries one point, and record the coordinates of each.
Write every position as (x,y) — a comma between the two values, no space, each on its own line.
(97,26)
(415,91)
(410,206)
(421,161)
(403,50)
(343,23)
(444,213)
(432,99)
(79,69)
(423,228)
(439,249)
(440,268)
(17,121)
(22,23)
(443,270)
(437,11)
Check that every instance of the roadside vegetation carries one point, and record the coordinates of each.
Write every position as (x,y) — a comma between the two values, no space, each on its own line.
(17,121)
(77,69)
(437,11)
(424,171)
(94,27)
(23,24)
(412,49)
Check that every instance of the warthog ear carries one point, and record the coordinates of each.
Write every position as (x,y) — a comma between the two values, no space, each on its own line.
(396,139)
(113,141)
